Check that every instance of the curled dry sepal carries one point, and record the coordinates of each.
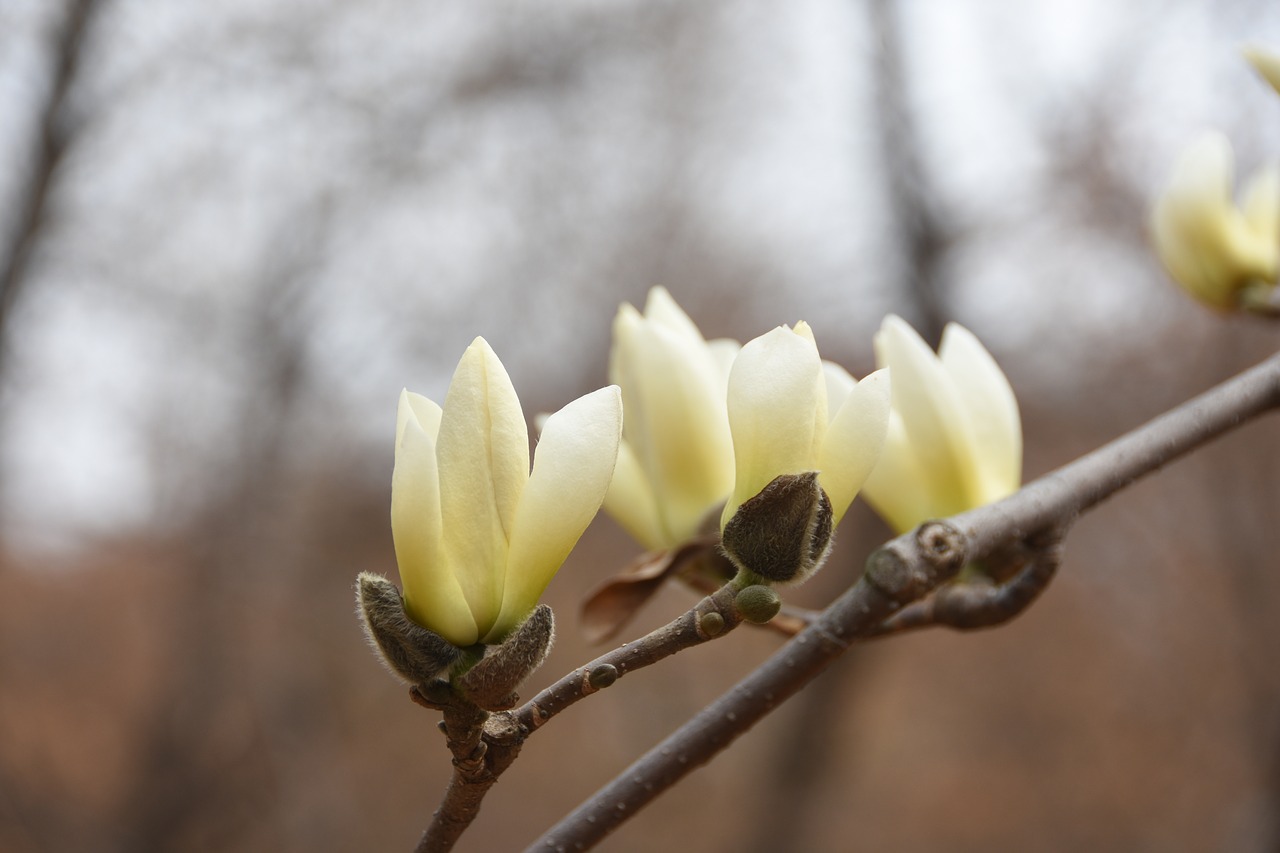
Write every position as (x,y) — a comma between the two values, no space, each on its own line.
(419,656)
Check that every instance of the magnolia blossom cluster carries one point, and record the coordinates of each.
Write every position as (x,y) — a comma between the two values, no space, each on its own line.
(765,443)
(1224,253)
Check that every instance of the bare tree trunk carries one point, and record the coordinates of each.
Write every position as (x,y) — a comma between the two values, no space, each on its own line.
(47,153)
(230,564)
(919,232)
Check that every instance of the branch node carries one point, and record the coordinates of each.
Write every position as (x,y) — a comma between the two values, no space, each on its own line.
(910,567)
(943,547)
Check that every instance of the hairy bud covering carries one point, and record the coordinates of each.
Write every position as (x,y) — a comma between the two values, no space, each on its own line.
(783,534)
(410,651)
(491,684)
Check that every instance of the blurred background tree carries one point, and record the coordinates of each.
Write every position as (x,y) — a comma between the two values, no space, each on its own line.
(229,236)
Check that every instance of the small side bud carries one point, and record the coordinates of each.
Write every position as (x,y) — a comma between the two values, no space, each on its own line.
(711,623)
(602,676)
(411,652)
(491,684)
(758,603)
(783,534)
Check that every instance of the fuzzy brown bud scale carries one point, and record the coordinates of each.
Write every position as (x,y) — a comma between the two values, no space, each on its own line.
(411,652)
(782,534)
(491,684)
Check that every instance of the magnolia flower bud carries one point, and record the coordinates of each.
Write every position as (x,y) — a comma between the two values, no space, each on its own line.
(1211,247)
(955,440)
(805,437)
(757,603)
(477,536)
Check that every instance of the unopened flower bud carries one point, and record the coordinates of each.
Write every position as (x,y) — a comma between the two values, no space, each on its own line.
(758,603)
(783,534)
(410,651)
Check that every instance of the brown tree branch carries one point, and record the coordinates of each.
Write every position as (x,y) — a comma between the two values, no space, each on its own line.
(484,745)
(908,568)
(970,606)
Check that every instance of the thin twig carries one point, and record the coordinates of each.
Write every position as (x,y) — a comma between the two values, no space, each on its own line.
(689,629)
(906,569)
(485,746)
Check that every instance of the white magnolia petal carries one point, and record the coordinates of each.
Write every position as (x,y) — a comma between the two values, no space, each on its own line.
(1260,203)
(932,413)
(839,384)
(992,413)
(625,325)
(572,468)
(723,351)
(821,410)
(776,392)
(432,595)
(631,502)
(661,309)
(676,423)
(426,411)
(483,453)
(854,441)
(899,489)
(1195,227)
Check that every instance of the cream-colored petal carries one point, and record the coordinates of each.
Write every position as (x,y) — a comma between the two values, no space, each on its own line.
(805,331)
(992,413)
(572,468)
(723,351)
(776,392)
(660,308)
(1260,204)
(899,489)
(631,502)
(821,410)
(483,453)
(1266,63)
(854,441)
(625,325)
(426,411)
(839,384)
(675,422)
(929,403)
(1195,227)
(432,595)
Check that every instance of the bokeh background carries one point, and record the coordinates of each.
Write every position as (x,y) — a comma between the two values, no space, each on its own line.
(230,233)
